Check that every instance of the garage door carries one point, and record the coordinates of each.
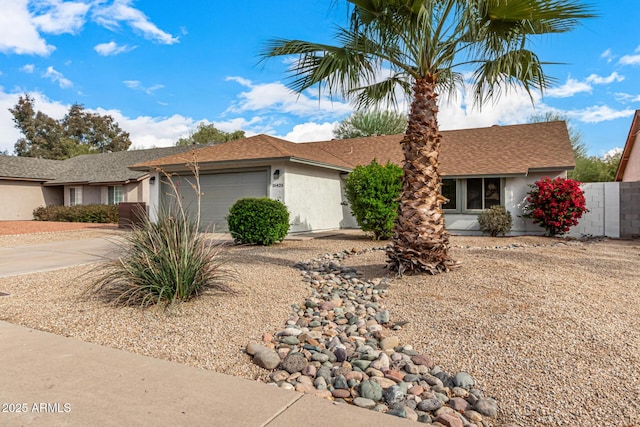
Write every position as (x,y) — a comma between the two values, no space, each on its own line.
(219,192)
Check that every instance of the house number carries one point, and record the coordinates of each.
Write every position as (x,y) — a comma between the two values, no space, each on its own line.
(277,185)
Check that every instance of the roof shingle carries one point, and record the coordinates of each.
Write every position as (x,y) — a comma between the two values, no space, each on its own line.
(29,168)
(496,150)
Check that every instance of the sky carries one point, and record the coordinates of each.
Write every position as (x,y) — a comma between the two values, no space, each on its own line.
(160,68)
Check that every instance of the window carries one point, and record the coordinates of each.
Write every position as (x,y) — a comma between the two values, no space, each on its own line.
(75,196)
(114,195)
(449,190)
(482,193)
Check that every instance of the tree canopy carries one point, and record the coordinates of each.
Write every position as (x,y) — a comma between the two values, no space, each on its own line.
(373,122)
(424,47)
(79,132)
(207,133)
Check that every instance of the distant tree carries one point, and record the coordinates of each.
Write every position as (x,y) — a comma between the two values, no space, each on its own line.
(205,134)
(94,132)
(588,168)
(79,132)
(373,122)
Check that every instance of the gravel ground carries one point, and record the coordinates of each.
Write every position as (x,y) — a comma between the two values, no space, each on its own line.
(549,329)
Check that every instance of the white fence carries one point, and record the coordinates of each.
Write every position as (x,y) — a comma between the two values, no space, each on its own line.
(614,210)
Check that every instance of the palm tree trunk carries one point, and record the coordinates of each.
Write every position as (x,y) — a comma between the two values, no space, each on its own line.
(420,242)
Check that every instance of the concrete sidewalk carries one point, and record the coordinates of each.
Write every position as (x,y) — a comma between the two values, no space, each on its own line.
(50,256)
(58,381)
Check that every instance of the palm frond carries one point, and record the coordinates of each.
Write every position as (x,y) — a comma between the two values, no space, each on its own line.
(517,68)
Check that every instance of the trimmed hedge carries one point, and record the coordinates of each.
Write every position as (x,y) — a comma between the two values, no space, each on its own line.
(79,213)
(258,221)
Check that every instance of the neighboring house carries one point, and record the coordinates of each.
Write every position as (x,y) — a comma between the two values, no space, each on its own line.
(21,189)
(480,167)
(27,183)
(629,166)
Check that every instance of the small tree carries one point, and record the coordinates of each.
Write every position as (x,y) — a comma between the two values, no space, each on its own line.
(373,192)
(555,204)
(373,122)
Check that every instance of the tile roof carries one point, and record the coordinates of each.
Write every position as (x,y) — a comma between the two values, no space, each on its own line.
(109,167)
(29,168)
(496,150)
(259,147)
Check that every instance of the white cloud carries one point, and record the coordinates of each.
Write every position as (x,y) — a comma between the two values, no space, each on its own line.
(607,55)
(596,79)
(570,88)
(121,11)
(631,59)
(112,48)
(276,97)
(135,85)
(27,68)
(599,113)
(515,107)
(311,131)
(626,97)
(18,32)
(56,76)
(58,17)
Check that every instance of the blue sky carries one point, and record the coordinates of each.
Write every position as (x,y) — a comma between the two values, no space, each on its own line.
(159,68)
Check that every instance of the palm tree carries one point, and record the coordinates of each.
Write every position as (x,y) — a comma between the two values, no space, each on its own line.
(424,44)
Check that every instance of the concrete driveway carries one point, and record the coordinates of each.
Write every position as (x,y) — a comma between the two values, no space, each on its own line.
(51,256)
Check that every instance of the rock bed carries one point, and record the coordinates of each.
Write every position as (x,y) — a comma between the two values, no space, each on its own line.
(340,345)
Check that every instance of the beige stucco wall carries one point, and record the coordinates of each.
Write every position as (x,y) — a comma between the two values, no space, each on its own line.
(313,196)
(99,194)
(18,199)
(632,170)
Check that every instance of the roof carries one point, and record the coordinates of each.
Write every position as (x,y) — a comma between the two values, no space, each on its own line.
(29,168)
(496,150)
(628,146)
(109,167)
(259,147)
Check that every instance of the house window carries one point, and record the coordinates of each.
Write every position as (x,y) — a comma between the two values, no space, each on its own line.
(75,196)
(482,193)
(114,194)
(449,190)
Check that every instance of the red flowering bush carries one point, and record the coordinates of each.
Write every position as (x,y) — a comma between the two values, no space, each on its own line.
(555,204)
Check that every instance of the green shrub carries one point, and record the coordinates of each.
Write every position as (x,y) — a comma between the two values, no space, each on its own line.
(260,221)
(164,262)
(79,213)
(373,192)
(495,220)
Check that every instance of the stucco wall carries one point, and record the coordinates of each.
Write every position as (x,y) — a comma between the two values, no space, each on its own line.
(18,199)
(632,170)
(313,196)
(515,191)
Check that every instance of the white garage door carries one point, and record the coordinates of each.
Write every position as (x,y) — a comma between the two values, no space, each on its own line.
(219,192)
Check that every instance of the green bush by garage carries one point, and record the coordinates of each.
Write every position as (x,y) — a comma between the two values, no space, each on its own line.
(258,221)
